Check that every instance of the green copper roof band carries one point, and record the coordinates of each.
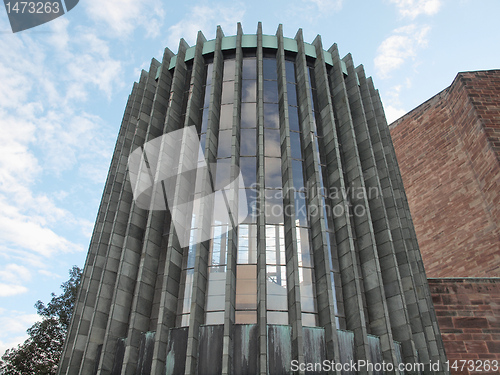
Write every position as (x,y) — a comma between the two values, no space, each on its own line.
(250,41)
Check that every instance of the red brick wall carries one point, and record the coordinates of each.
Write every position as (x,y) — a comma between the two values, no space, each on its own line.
(468,312)
(448,150)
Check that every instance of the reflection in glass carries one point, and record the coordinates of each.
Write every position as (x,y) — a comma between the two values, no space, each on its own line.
(206,101)
(248,115)
(249,68)
(272,142)
(251,196)
(248,91)
(226,117)
(271,116)
(293,118)
(227,92)
(270,69)
(248,146)
(224,147)
(295,144)
(272,168)
(290,71)
(271,91)
(292,94)
(229,68)
(248,167)
(274,207)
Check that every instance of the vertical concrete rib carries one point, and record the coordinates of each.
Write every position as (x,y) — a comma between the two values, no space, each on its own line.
(364,124)
(83,339)
(401,326)
(232,255)
(428,340)
(200,277)
(261,220)
(366,237)
(347,247)
(97,233)
(168,280)
(291,247)
(143,295)
(122,263)
(325,291)
(128,268)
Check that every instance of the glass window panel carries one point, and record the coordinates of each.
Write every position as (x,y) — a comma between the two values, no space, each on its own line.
(229,67)
(246,272)
(309,320)
(290,71)
(217,287)
(248,115)
(271,116)
(300,210)
(222,173)
(184,320)
(295,145)
(305,278)
(248,167)
(248,91)
(277,302)
(293,119)
(209,73)
(246,288)
(227,92)
(206,100)
(246,302)
(272,142)
(270,69)
(272,173)
(186,305)
(226,117)
(245,317)
(298,177)
(277,317)
(271,91)
(224,147)
(274,207)
(249,68)
(215,303)
(252,213)
(214,317)
(276,280)
(248,146)
(292,94)
(204,122)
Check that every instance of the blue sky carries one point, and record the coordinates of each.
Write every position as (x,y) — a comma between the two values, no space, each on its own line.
(64,86)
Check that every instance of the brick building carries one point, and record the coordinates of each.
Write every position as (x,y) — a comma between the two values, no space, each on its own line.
(448,150)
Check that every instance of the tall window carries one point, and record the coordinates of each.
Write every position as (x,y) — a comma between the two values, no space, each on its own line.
(246,269)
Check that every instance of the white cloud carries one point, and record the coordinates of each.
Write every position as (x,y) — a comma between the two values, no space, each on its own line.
(399,47)
(14,325)
(414,8)
(123,16)
(205,18)
(393,113)
(8,290)
(14,274)
(327,5)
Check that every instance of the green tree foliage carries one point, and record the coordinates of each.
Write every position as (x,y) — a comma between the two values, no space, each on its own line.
(41,352)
